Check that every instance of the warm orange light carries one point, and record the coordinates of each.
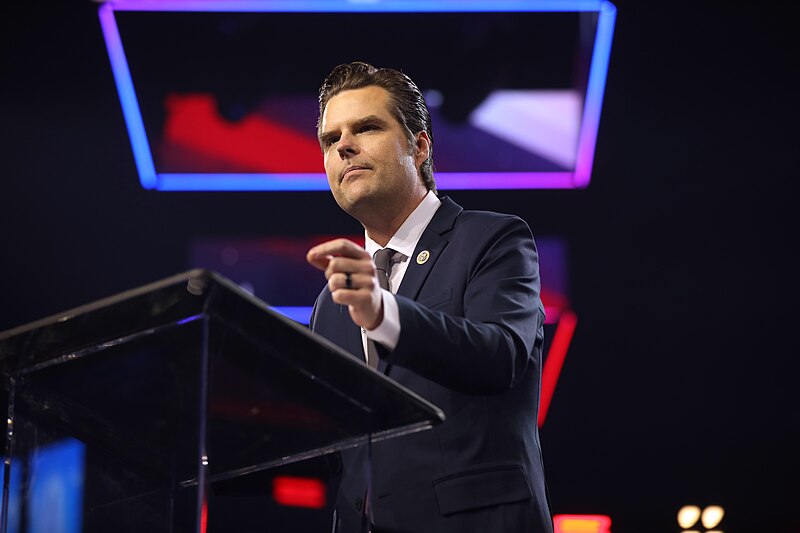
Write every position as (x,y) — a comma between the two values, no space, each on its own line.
(688,515)
(581,523)
(299,492)
(712,516)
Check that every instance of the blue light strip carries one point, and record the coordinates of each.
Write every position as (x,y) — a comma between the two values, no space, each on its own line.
(303,314)
(127,97)
(298,314)
(242,182)
(598,72)
(319,182)
(316,182)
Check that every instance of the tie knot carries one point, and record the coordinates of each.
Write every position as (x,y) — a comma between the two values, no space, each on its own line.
(383,257)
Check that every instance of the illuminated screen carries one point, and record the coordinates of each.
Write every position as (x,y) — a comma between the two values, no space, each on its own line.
(53,477)
(223,95)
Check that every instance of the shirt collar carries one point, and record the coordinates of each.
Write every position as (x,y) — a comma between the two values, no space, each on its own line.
(406,237)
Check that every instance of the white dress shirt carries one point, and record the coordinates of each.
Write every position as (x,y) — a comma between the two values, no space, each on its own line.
(404,241)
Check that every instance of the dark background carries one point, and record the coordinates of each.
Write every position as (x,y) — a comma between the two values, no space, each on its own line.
(680,385)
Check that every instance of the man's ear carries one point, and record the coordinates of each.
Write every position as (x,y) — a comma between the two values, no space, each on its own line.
(422,148)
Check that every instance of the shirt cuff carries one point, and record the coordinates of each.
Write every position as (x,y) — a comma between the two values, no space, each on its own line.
(387,332)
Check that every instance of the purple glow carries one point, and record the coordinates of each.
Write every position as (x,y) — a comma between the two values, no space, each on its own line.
(189,319)
(363,6)
(298,314)
(503,180)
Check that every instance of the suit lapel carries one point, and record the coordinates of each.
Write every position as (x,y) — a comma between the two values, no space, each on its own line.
(434,241)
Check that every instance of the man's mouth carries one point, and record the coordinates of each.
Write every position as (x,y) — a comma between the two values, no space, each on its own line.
(352,168)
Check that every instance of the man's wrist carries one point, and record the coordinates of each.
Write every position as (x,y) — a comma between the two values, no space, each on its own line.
(378,320)
(387,331)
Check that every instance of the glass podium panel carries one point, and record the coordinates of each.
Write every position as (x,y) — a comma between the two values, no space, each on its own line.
(126,411)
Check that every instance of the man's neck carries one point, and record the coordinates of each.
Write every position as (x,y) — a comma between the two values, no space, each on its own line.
(382,227)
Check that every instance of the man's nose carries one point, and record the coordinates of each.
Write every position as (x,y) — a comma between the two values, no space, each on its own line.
(347,145)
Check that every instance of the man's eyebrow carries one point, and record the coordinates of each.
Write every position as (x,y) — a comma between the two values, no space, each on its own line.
(371,119)
(325,137)
(360,123)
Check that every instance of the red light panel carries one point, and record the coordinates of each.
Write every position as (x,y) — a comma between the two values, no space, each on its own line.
(555,360)
(299,492)
(256,144)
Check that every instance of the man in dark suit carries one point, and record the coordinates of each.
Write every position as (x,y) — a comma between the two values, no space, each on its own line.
(459,322)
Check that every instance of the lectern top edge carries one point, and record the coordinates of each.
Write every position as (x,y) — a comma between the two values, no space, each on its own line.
(62,316)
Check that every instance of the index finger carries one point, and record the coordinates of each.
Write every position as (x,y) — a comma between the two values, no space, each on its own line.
(320,255)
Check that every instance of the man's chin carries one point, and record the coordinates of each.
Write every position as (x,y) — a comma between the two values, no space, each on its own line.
(356,191)
(357,200)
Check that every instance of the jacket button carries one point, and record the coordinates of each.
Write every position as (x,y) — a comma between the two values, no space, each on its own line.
(359,503)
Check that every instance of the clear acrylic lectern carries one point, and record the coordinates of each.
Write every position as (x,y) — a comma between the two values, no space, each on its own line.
(123,413)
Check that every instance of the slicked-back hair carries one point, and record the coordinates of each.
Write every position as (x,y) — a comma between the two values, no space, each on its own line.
(407,103)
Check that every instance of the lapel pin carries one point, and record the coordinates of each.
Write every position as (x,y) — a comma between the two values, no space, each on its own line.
(423,257)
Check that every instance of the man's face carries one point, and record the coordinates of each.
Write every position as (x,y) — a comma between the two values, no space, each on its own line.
(369,162)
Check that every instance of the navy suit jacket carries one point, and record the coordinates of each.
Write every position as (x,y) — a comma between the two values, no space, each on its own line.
(471,343)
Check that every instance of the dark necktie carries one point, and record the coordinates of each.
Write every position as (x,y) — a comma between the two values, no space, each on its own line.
(383,265)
